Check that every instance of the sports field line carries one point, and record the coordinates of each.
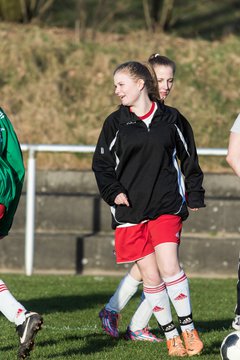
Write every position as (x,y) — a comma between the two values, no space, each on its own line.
(69,328)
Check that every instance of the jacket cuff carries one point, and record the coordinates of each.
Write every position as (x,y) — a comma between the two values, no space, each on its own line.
(113,194)
(195,199)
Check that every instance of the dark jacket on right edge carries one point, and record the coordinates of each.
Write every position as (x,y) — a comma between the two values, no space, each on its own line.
(142,162)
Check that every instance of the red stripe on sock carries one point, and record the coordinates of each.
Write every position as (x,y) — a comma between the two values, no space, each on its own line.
(174,282)
(2,288)
(154,290)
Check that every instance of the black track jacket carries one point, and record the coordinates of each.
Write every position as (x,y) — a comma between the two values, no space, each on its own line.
(144,162)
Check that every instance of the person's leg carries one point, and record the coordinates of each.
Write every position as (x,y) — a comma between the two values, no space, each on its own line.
(156,294)
(176,283)
(178,290)
(138,328)
(238,289)
(141,316)
(10,307)
(27,323)
(236,321)
(165,232)
(130,245)
(128,286)
(125,290)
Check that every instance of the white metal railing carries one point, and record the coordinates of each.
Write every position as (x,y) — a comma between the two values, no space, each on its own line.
(31,187)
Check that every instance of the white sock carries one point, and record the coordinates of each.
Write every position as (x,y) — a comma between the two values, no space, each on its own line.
(159,301)
(126,289)
(141,316)
(10,307)
(178,291)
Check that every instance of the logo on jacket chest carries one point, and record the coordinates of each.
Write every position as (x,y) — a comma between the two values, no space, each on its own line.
(131,122)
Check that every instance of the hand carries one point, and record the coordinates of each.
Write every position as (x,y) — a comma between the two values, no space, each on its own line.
(194,209)
(121,199)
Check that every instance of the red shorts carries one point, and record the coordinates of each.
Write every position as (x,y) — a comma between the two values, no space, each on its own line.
(134,242)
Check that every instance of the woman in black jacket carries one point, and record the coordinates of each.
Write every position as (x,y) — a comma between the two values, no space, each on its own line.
(137,171)
(138,329)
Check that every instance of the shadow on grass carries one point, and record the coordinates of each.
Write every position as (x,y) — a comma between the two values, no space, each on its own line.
(68,303)
(71,303)
(95,343)
(213,325)
(5,348)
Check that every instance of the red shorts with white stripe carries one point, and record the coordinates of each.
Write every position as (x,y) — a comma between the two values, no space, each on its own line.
(134,242)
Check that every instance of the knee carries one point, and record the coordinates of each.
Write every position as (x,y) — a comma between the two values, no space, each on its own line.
(170,270)
(135,273)
(151,279)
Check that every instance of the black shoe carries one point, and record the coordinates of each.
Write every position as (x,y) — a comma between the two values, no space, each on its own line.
(236,323)
(27,332)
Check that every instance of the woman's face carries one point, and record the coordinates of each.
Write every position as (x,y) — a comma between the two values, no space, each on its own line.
(127,88)
(165,77)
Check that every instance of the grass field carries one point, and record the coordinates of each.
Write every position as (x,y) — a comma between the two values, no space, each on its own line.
(70,306)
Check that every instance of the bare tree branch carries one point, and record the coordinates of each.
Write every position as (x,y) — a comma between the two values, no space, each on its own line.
(45,6)
(103,14)
(80,22)
(166,14)
(33,6)
(147,15)
(24,11)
